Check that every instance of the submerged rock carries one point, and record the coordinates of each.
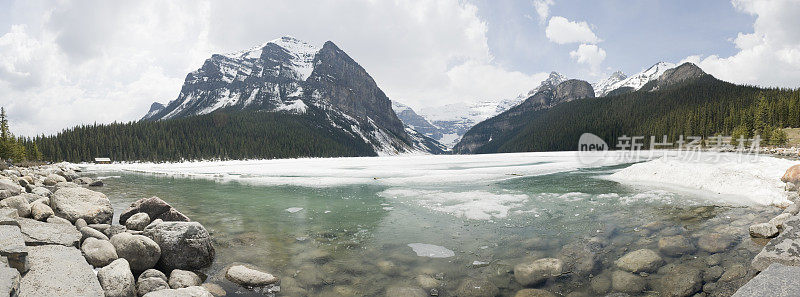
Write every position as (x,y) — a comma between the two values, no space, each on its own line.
(184,245)
(627,282)
(675,246)
(477,288)
(678,281)
(405,292)
(533,293)
(535,272)
(715,242)
(643,260)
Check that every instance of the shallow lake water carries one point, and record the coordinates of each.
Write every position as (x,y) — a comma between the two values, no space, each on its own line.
(370,238)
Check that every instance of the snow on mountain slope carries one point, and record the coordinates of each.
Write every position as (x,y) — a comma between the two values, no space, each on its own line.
(603,87)
(453,120)
(637,81)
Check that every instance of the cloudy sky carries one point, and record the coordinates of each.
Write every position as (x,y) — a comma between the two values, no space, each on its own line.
(64,63)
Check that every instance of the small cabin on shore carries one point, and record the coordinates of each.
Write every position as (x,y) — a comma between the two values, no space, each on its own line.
(102,160)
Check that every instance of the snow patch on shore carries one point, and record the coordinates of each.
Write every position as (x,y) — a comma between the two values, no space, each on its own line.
(727,178)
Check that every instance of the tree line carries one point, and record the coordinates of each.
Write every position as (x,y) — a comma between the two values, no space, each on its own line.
(704,107)
(219,135)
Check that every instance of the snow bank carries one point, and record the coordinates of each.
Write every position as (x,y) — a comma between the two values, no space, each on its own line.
(727,178)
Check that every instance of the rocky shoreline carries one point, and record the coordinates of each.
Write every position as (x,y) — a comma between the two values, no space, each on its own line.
(57,239)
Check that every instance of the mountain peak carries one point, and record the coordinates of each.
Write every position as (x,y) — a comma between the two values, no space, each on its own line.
(603,87)
(675,75)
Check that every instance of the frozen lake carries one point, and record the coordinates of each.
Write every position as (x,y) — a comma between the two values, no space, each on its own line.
(360,226)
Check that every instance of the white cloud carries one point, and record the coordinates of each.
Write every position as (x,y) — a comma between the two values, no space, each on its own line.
(65,63)
(563,31)
(542,9)
(770,55)
(589,54)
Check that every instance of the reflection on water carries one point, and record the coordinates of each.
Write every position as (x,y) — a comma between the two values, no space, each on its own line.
(354,240)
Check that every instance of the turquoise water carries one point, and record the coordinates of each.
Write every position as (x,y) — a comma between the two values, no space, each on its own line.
(352,240)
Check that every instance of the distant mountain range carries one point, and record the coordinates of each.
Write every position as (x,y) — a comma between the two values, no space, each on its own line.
(448,123)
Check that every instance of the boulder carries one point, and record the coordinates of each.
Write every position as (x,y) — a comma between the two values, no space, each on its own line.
(114,230)
(472,287)
(53,179)
(19,203)
(40,211)
(41,233)
(12,247)
(776,281)
(155,208)
(792,175)
(8,217)
(32,197)
(80,203)
(643,260)
(626,282)
(183,278)
(117,280)
(59,271)
(141,252)
(9,280)
(403,291)
(782,249)
(675,246)
(63,185)
(150,284)
(216,289)
(535,272)
(80,223)
(42,191)
(763,230)
(196,291)
(9,188)
(153,273)
(57,220)
(87,232)
(138,221)
(248,277)
(780,219)
(99,252)
(184,245)
(83,180)
(97,183)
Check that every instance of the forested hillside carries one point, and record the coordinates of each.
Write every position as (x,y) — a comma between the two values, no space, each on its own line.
(220,135)
(700,107)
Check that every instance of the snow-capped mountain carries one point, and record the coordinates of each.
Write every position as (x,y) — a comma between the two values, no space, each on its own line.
(291,76)
(448,123)
(603,87)
(636,81)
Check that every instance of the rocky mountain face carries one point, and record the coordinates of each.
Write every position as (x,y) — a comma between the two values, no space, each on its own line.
(546,97)
(603,87)
(614,86)
(489,135)
(291,76)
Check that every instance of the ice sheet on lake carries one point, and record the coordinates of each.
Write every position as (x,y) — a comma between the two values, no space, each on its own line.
(431,251)
(476,205)
(727,178)
(417,170)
